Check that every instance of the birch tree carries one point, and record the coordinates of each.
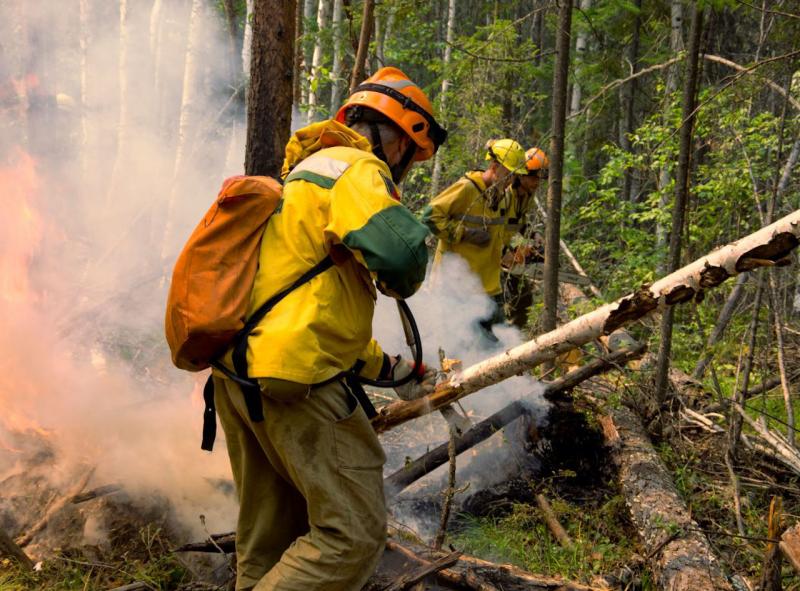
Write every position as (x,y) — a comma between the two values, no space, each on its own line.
(671,85)
(188,118)
(451,25)
(580,52)
(247,40)
(317,59)
(338,56)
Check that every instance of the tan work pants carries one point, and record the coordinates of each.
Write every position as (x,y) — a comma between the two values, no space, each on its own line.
(309,477)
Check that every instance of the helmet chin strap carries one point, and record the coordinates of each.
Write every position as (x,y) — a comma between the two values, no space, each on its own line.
(377,148)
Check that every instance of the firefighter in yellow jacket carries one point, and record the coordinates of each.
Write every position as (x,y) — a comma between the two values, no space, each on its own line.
(469,219)
(309,475)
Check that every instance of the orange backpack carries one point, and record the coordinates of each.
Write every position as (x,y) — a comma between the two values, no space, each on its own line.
(214,274)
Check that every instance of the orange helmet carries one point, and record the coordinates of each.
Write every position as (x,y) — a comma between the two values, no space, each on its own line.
(390,92)
(536,163)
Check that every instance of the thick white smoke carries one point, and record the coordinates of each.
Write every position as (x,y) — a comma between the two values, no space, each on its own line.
(124,111)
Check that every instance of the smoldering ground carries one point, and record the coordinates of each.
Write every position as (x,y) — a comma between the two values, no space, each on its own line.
(115,133)
(116,129)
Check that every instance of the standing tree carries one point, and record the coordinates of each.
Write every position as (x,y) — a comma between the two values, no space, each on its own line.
(363,44)
(450,37)
(553,228)
(681,190)
(269,97)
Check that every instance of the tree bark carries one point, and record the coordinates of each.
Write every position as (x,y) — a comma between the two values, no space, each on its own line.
(269,97)
(682,559)
(676,46)
(338,57)
(188,119)
(681,191)
(449,38)
(628,96)
(558,120)
(580,50)
(247,38)
(316,61)
(357,75)
(766,247)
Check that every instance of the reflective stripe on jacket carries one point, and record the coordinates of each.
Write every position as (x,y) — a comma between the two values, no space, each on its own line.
(464,204)
(338,201)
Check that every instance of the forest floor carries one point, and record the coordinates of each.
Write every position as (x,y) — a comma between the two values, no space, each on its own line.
(590,507)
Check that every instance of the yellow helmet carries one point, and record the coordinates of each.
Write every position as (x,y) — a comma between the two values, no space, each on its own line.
(508,153)
(536,163)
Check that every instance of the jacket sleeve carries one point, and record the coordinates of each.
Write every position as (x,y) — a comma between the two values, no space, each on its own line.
(383,235)
(373,360)
(440,216)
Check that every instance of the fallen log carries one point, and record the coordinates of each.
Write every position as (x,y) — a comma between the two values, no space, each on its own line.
(767,247)
(681,557)
(790,546)
(427,463)
(9,548)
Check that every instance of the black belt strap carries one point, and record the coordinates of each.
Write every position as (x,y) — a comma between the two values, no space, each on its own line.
(250,388)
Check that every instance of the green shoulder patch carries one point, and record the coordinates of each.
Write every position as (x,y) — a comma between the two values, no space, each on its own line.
(390,186)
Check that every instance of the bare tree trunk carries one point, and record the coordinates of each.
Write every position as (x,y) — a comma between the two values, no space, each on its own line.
(188,119)
(681,191)
(269,104)
(123,132)
(309,10)
(628,96)
(297,76)
(357,75)
(676,46)
(247,41)
(580,51)
(553,224)
(316,60)
(230,24)
(451,25)
(378,60)
(735,420)
(338,57)
(777,322)
(768,246)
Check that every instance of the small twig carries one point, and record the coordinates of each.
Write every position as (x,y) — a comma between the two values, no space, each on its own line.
(427,568)
(552,522)
(449,493)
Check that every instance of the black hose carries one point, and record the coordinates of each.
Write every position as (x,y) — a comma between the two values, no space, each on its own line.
(417,350)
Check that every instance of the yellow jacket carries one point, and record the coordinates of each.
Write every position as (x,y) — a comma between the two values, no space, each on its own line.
(464,204)
(339,200)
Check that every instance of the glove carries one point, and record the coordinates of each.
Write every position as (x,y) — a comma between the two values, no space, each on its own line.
(423,384)
(476,236)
